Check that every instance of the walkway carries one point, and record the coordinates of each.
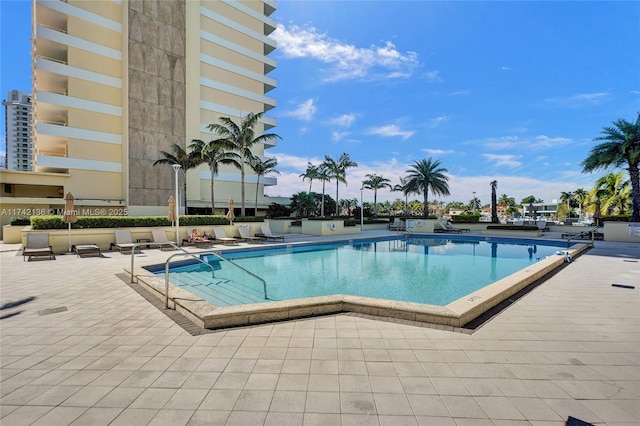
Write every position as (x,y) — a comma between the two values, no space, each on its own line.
(79,346)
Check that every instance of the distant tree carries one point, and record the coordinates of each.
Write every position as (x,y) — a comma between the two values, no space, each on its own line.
(494,202)
(427,175)
(402,187)
(338,170)
(311,173)
(242,137)
(214,154)
(260,168)
(185,160)
(375,182)
(302,203)
(611,189)
(580,196)
(621,145)
(506,201)
(530,199)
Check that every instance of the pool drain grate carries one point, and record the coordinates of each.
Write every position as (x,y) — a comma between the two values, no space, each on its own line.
(52,310)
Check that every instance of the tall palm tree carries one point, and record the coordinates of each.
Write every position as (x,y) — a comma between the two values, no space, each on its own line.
(311,173)
(322,174)
(580,196)
(214,154)
(375,182)
(185,160)
(261,168)
(566,197)
(427,175)
(494,202)
(338,170)
(620,146)
(242,137)
(402,187)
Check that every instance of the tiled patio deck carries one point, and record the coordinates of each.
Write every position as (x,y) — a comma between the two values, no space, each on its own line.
(79,346)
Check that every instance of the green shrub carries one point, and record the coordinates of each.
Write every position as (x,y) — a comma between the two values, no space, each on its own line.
(55,222)
(619,218)
(466,218)
(20,221)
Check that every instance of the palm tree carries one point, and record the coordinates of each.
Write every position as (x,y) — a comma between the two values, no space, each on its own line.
(262,168)
(609,189)
(185,160)
(580,196)
(311,173)
(375,182)
(402,187)
(214,154)
(427,175)
(566,197)
(242,138)
(302,202)
(322,174)
(338,170)
(494,202)
(621,146)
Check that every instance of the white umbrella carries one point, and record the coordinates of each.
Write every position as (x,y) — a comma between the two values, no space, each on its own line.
(230,214)
(69,215)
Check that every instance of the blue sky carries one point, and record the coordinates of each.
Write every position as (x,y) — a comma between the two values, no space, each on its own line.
(506,91)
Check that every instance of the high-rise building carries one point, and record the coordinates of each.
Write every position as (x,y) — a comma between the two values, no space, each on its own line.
(116,83)
(18,131)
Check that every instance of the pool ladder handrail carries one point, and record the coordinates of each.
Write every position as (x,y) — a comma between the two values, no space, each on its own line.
(184,252)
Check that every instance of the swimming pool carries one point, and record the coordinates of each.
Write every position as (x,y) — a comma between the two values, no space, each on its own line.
(415,269)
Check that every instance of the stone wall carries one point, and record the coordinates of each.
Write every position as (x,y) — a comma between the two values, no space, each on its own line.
(156,96)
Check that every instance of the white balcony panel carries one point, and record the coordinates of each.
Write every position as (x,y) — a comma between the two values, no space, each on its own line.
(224,111)
(236,26)
(235,177)
(244,9)
(71,102)
(75,133)
(69,40)
(237,70)
(70,10)
(206,82)
(238,49)
(78,163)
(69,71)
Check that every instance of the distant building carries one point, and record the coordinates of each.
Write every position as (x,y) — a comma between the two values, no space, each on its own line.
(18,131)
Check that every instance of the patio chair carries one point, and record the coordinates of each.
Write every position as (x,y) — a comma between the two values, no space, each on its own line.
(37,246)
(267,235)
(221,236)
(160,236)
(123,243)
(452,228)
(396,225)
(246,236)
(441,228)
(86,249)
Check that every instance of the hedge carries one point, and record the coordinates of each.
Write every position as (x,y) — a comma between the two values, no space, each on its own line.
(55,222)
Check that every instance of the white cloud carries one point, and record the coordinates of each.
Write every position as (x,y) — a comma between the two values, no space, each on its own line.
(533,143)
(459,93)
(344,120)
(503,68)
(544,142)
(582,99)
(391,130)
(304,111)
(435,122)
(347,60)
(504,160)
(437,151)
(338,136)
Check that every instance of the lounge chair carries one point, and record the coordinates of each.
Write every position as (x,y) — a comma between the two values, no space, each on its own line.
(449,228)
(85,249)
(123,243)
(246,236)
(267,235)
(584,234)
(397,225)
(452,228)
(222,236)
(542,225)
(37,246)
(160,236)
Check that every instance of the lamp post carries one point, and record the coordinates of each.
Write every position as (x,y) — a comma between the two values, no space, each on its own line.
(361,211)
(176,168)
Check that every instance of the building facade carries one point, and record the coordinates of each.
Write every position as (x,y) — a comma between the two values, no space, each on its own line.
(18,131)
(116,83)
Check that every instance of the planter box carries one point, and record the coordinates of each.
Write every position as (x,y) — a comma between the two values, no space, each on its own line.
(328,227)
(13,234)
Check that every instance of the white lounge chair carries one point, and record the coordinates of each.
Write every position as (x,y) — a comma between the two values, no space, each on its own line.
(160,236)
(246,236)
(123,243)
(37,246)
(222,236)
(267,235)
(86,249)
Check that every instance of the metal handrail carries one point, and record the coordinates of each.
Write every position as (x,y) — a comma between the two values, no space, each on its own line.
(184,252)
(165,243)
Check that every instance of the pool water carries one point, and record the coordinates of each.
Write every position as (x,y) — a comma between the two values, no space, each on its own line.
(416,269)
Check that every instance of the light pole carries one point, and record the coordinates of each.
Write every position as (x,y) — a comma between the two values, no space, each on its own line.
(361,211)
(176,168)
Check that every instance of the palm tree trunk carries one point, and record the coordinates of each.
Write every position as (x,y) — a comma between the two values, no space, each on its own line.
(213,203)
(242,189)
(425,212)
(255,213)
(375,203)
(337,185)
(322,206)
(184,189)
